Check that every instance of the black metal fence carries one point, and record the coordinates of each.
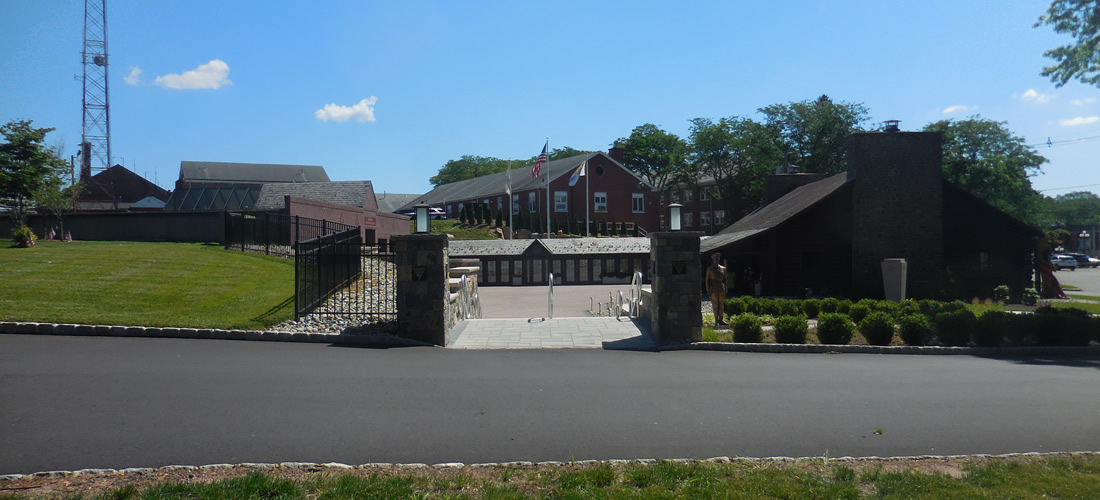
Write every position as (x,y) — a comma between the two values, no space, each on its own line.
(274,233)
(335,275)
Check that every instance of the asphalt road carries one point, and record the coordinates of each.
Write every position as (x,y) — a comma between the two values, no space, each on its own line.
(1088,280)
(100,402)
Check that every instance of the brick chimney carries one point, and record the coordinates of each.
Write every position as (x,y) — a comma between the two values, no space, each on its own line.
(617,152)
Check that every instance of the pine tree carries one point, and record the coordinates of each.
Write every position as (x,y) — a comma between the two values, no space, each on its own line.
(463,215)
(500,218)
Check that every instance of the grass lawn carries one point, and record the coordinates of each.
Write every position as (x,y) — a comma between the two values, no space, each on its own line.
(144,284)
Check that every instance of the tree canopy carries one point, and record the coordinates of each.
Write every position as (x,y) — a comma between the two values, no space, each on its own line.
(738,153)
(655,155)
(470,166)
(1080,59)
(812,133)
(985,158)
(1079,208)
(27,166)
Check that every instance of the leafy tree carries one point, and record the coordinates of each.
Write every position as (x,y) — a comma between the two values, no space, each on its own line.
(1079,208)
(812,133)
(27,167)
(1081,59)
(467,167)
(655,155)
(985,158)
(55,198)
(738,154)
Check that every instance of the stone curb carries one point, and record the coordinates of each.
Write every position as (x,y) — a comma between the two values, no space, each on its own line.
(313,466)
(872,349)
(364,340)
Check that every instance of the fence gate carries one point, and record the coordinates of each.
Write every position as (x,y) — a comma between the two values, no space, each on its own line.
(337,277)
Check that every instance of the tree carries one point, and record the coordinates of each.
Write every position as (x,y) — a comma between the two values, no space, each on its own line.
(985,158)
(1081,59)
(27,166)
(470,166)
(812,133)
(655,155)
(55,198)
(738,154)
(1079,208)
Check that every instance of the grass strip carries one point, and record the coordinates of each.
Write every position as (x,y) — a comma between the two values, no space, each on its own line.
(144,284)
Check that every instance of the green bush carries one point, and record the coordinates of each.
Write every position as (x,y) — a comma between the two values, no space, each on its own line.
(770,307)
(735,306)
(790,330)
(930,308)
(811,307)
(955,328)
(1001,293)
(834,328)
(914,329)
(858,311)
(1029,297)
(23,237)
(753,305)
(887,306)
(829,305)
(1066,327)
(953,306)
(878,328)
(906,308)
(747,328)
(843,306)
(790,307)
(991,327)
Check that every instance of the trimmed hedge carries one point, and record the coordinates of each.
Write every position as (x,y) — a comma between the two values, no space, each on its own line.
(791,329)
(747,328)
(877,328)
(955,328)
(835,328)
(914,329)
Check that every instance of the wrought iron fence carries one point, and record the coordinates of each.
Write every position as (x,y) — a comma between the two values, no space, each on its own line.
(274,233)
(337,276)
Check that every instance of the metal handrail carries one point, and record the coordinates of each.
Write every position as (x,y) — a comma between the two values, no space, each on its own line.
(550,298)
(468,302)
(619,306)
(636,294)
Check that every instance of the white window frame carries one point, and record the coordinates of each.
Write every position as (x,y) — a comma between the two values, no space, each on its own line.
(515,204)
(637,203)
(599,202)
(661,222)
(561,201)
(704,194)
(688,195)
(532,202)
(704,219)
(719,217)
(689,219)
(675,196)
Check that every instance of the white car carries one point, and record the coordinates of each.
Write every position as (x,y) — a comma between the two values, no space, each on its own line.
(1061,262)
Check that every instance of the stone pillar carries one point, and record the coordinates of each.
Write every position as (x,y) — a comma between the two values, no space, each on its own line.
(421,261)
(677,284)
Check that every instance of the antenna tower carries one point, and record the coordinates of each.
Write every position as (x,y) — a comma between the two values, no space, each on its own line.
(95,146)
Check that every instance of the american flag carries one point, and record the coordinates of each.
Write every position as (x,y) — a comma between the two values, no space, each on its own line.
(538,164)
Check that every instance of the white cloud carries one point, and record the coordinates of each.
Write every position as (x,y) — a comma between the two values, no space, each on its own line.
(1080,120)
(211,75)
(1082,102)
(1032,95)
(959,108)
(134,77)
(361,112)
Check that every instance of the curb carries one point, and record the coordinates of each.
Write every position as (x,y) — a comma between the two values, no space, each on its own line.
(365,340)
(1091,351)
(313,466)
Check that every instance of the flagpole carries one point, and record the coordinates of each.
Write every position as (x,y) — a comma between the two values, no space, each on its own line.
(511,209)
(547,188)
(587,202)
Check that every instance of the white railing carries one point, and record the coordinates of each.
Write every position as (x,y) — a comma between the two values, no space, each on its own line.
(636,294)
(550,298)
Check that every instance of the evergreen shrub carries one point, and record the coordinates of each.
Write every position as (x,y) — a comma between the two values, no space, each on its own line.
(747,328)
(834,328)
(790,330)
(914,329)
(878,328)
(811,307)
(955,328)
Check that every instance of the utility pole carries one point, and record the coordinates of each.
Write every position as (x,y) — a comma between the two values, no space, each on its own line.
(95,145)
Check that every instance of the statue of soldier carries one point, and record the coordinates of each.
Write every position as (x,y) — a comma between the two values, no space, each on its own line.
(716,287)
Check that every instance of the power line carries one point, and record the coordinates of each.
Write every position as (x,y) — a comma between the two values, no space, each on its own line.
(1070,187)
(1051,143)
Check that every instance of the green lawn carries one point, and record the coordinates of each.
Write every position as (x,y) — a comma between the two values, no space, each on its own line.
(144,284)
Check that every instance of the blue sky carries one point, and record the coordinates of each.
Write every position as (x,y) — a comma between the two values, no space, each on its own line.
(389,91)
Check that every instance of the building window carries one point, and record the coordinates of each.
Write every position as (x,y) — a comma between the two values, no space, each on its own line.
(500,203)
(675,196)
(661,222)
(637,203)
(704,195)
(600,202)
(515,204)
(532,203)
(704,219)
(561,201)
(689,219)
(687,195)
(719,217)
(662,199)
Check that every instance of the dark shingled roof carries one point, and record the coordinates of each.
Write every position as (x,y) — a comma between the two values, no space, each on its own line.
(350,193)
(392,202)
(250,172)
(776,212)
(494,184)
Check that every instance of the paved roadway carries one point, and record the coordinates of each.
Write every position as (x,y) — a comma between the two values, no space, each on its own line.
(1088,280)
(101,402)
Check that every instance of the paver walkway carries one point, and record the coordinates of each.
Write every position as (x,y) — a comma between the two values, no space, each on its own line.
(557,333)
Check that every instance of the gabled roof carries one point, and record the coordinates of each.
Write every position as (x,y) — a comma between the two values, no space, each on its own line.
(121,184)
(392,202)
(350,193)
(776,212)
(561,246)
(494,184)
(250,172)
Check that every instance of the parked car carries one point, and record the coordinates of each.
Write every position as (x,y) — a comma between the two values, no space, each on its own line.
(1061,262)
(1084,260)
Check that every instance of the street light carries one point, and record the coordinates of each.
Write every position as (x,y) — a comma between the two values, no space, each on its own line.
(423,224)
(1083,240)
(674,216)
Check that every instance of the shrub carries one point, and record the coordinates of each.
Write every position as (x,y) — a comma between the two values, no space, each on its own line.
(767,319)
(878,328)
(770,307)
(790,330)
(906,308)
(1068,327)
(735,306)
(747,328)
(811,307)
(990,329)
(955,328)
(930,308)
(1021,330)
(789,307)
(886,306)
(953,306)
(858,311)
(829,305)
(753,305)
(23,237)
(1001,293)
(1029,297)
(843,306)
(914,329)
(834,328)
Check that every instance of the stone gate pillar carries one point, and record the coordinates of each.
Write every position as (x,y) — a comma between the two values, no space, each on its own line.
(677,284)
(422,295)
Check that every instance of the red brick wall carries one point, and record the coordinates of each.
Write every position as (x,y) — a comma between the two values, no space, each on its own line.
(384,225)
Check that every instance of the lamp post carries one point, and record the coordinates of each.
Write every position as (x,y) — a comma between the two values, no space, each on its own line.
(423,224)
(674,216)
(1083,240)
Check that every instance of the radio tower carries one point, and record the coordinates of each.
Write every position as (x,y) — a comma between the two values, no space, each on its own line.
(95,146)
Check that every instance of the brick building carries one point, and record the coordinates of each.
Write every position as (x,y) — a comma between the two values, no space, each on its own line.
(615,194)
(117,188)
(830,236)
